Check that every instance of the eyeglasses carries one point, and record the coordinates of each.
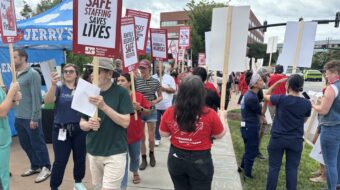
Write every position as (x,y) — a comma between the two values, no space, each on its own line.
(90,70)
(69,71)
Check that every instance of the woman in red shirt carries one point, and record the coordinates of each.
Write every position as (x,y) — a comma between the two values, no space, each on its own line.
(135,129)
(191,125)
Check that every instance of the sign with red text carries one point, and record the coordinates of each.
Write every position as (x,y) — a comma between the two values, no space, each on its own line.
(8,21)
(129,47)
(159,44)
(142,25)
(201,59)
(184,37)
(181,53)
(96,27)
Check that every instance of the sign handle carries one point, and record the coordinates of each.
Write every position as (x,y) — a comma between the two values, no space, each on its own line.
(298,46)
(160,71)
(132,76)
(270,59)
(226,58)
(14,76)
(95,79)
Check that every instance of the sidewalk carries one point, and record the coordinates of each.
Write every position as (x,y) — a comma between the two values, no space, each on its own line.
(157,178)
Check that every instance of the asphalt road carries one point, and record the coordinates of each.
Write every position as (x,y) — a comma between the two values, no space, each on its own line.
(313,86)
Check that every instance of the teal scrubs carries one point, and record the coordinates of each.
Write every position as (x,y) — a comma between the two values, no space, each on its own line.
(5,142)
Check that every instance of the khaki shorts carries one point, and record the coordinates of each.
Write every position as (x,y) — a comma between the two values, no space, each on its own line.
(107,172)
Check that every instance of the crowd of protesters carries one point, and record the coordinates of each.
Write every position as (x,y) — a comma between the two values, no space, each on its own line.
(168,103)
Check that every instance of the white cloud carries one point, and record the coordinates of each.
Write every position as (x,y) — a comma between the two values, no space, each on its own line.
(67,6)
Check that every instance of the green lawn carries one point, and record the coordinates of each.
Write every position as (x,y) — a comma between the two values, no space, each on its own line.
(260,169)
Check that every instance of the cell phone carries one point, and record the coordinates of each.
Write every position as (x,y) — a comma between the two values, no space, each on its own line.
(304,94)
(58,70)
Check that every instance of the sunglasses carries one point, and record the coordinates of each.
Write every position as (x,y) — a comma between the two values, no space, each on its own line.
(69,71)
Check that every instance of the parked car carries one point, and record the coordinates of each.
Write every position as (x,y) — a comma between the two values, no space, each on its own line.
(312,75)
(289,71)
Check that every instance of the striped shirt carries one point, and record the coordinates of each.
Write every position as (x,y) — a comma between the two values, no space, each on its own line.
(148,87)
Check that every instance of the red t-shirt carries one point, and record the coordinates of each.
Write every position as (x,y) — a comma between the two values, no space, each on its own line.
(209,124)
(210,86)
(281,88)
(244,86)
(135,128)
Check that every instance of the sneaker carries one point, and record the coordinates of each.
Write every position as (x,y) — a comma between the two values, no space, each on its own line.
(30,172)
(318,179)
(79,186)
(43,175)
(261,157)
(152,159)
(157,142)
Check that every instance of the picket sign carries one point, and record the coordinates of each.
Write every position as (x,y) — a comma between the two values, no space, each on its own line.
(132,77)
(271,47)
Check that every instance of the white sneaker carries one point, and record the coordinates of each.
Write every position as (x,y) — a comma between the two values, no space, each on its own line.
(157,142)
(43,175)
(79,186)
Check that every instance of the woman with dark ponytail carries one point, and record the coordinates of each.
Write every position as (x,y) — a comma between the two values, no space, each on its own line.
(287,130)
(191,124)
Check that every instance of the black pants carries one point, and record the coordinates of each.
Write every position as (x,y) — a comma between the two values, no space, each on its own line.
(190,170)
(276,148)
(75,141)
(250,135)
(240,99)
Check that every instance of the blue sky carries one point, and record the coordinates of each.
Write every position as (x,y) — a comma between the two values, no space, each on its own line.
(274,11)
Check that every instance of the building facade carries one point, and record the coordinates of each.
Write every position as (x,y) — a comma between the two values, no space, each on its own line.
(173,20)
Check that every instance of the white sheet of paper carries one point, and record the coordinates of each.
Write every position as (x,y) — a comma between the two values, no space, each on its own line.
(81,96)
(316,153)
(238,40)
(246,63)
(46,69)
(286,58)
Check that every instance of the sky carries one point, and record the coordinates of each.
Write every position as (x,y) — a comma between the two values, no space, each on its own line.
(274,11)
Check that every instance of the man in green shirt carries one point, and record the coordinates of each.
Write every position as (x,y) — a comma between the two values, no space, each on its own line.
(106,141)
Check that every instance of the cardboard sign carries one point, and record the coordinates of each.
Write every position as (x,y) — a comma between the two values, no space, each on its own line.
(290,45)
(173,49)
(238,39)
(181,53)
(159,44)
(96,26)
(8,21)
(184,37)
(142,25)
(272,44)
(207,46)
(129,47)
(201,59)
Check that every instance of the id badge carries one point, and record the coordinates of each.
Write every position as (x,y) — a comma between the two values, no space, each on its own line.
(62,134)
(243,124)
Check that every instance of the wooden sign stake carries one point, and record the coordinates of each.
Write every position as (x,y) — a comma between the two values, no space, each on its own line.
(298,47)
(132,76)
(226,58)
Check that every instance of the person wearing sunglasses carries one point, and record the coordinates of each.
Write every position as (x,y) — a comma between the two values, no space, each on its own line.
(67,135)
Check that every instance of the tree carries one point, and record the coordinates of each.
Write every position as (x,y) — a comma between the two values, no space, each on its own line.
(44,5)
(321,58)
(27,11)
(200,17)
(79,60)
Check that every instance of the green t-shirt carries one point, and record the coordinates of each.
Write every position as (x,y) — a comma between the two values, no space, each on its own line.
(5,131)
(111,138)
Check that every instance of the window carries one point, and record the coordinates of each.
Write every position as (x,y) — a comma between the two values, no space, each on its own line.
(172,35)
(169,23)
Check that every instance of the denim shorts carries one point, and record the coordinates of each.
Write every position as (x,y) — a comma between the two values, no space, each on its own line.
(152,117)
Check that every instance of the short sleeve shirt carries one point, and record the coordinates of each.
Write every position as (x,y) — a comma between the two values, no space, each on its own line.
(5,131)
(291,112)
(63,112)
(167,82)
(135,128)
(251,108)
(148,87)
(209,124)
(110,139)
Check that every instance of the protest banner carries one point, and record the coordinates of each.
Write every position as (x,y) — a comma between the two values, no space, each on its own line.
(184,37)
(271,47)
(201,59)
(229,32)
(173,49)
(298,45)
(207,47)
(129,50)
(142,25)
(96,27)
(159,44)
(129,47)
